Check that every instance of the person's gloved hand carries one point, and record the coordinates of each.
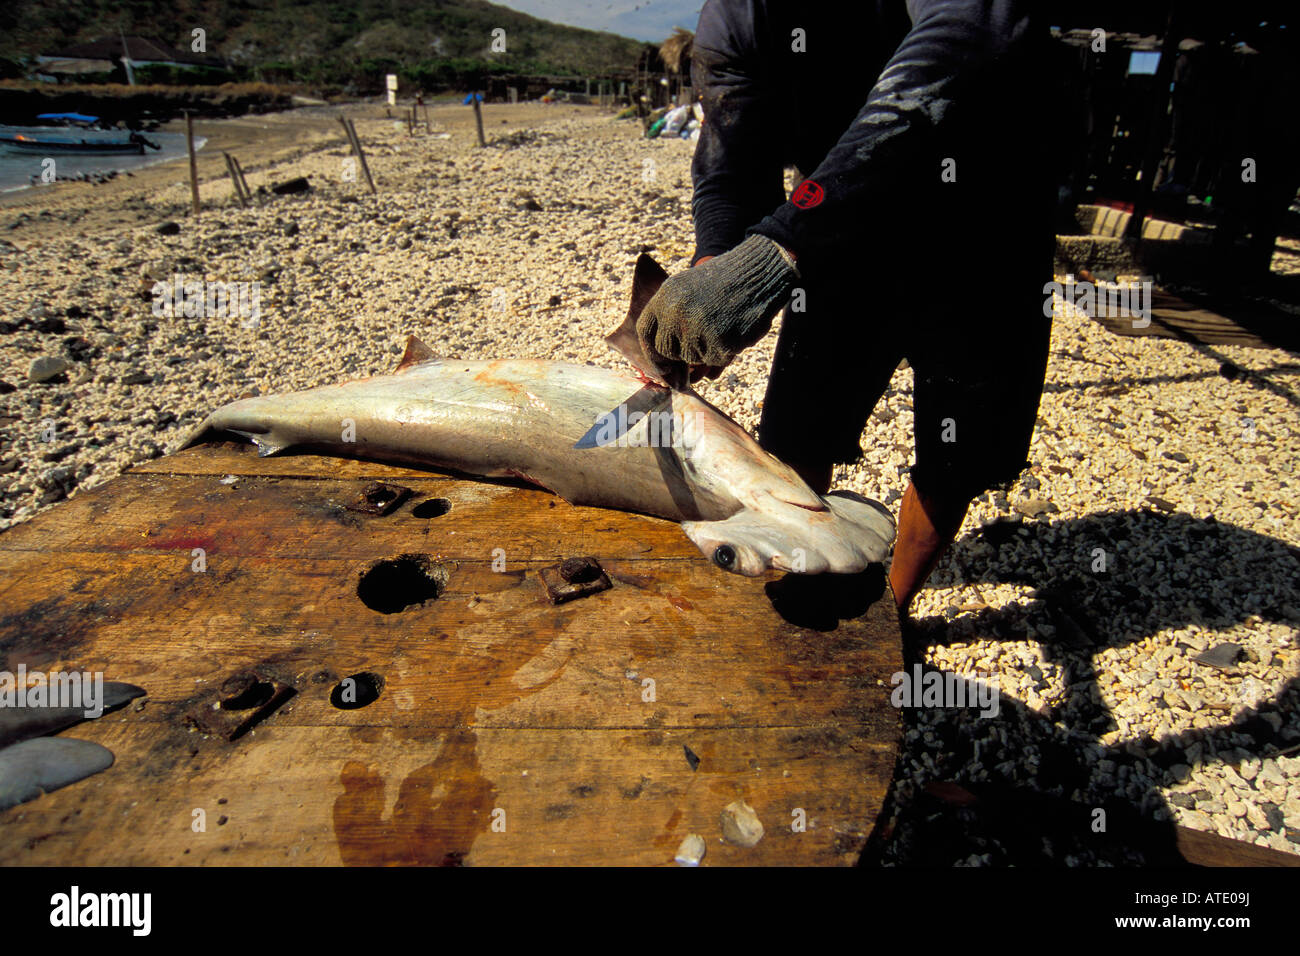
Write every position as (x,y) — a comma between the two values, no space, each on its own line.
(708,314)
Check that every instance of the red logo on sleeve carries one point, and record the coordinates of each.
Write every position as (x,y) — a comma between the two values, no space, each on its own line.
(807,194)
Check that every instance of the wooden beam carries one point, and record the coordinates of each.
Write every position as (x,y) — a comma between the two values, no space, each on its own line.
(194,169)
(478,117)
(357,151)
(1203,848)
(243,183)
(1156,127)
(235,183)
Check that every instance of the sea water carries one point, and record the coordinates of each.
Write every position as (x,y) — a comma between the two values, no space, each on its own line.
(17,169)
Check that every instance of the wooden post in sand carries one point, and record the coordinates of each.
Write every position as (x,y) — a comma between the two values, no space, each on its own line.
(478,117)
(234,179)
(243,183)
(410,121)
(194,168)
(356,150)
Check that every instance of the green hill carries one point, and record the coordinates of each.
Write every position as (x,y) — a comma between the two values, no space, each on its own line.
(327,43)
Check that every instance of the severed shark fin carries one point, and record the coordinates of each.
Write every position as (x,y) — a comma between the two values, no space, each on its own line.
(35,767)
(21,723)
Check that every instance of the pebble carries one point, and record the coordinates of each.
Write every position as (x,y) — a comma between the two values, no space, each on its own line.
(1258,819)
(691,851)
(1234,780)
(1033,507)
(1270,774)
(1221,655)
(740,824)
(46,367)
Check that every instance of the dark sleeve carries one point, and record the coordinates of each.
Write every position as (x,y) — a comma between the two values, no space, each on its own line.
(736,172)
(892,150)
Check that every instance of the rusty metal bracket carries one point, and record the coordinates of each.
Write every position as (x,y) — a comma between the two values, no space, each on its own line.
(379,498)
(242,701)
(574,578)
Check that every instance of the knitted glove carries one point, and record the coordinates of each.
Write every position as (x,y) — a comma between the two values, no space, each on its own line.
(708,314)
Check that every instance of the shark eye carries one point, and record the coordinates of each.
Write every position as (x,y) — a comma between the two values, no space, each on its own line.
(724,556)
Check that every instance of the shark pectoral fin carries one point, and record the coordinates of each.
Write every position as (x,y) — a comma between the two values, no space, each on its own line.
(417,353)
(267,444)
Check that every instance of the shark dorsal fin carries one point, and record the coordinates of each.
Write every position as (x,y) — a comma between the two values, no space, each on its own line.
(416,353)
(647,277)
(646,280)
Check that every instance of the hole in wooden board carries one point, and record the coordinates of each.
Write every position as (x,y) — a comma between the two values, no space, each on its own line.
(357,691)
(396,584)
(433,508)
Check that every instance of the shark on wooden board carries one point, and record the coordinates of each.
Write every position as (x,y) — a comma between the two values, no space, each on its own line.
(675,456)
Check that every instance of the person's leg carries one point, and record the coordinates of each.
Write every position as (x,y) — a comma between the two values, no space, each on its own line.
(830,368)
(976,397)
(816,475)
(926,527)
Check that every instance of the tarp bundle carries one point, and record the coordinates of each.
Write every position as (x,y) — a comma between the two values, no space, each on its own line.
(72,117)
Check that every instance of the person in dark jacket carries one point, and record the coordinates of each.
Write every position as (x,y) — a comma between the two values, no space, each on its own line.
(921,229)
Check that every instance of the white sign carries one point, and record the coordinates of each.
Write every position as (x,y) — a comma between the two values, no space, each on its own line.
(392,89)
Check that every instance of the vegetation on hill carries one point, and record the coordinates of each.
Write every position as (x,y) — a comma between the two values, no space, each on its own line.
(338,45)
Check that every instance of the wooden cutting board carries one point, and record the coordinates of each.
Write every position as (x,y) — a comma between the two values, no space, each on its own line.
(507,729)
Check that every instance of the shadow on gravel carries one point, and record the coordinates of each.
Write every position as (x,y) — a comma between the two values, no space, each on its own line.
(1162,572)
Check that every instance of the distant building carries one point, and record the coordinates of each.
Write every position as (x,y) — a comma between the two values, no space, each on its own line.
(106,54)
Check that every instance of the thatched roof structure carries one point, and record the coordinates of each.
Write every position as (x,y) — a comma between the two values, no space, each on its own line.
(676,50)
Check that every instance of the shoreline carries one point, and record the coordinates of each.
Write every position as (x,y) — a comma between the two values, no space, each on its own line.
(261,142)
(112,171)
(257,140)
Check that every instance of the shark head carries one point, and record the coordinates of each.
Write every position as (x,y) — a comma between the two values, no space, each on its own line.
(846,536)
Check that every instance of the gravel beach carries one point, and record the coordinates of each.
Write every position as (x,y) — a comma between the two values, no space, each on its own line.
(1160,517)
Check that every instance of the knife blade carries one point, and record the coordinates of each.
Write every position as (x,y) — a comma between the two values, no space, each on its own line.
(613,425)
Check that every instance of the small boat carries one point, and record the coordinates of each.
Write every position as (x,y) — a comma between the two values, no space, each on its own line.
(31,144)
(23,143)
